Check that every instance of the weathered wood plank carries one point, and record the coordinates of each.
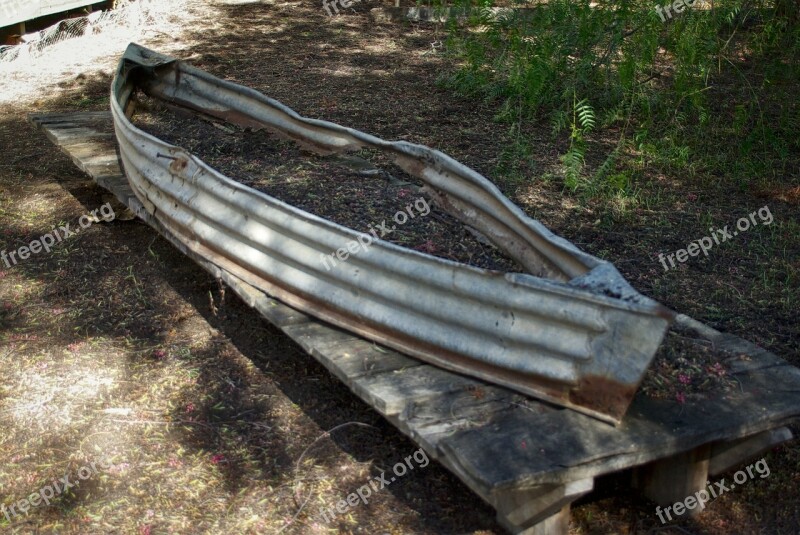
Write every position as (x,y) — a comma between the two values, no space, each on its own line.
(362,358)
(746,355)
(344,373)
(318,336)
(279,314)
(391,393)
(98,123)
(478,402)
(100,171)
(475,406)
(727,455)
(81,134)
(82,150)
(569,445)
(104,117)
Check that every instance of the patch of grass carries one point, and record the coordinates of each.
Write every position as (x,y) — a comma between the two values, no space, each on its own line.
(678,95)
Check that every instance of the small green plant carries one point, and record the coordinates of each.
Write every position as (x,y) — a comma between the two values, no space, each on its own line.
(657,82)
(583,121)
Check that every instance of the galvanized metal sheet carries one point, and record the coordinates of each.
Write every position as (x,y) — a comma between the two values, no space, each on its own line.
(570,331)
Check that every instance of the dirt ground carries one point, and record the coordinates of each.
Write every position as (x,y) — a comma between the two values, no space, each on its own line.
(114,347)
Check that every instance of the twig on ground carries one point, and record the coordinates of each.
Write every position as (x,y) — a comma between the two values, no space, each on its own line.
(297,467)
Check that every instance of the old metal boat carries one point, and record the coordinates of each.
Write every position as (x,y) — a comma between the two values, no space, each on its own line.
(567,328)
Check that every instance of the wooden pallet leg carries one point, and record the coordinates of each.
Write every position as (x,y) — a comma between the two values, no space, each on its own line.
(542,510)
(675,480)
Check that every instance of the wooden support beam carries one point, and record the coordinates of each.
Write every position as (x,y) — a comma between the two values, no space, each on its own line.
(673,479)
(555,524)
(542,510)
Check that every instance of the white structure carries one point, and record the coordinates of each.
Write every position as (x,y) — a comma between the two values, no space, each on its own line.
(19,11)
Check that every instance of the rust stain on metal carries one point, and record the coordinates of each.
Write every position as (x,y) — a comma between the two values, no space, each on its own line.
(603,395)
(178,165)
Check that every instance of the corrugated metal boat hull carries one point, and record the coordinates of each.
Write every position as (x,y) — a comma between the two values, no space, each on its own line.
(571,331)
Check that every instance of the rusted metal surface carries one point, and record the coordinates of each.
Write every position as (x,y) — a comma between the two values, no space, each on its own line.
(570,331)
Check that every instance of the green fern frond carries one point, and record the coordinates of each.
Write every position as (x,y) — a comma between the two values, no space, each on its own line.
(573,161)
(585,114)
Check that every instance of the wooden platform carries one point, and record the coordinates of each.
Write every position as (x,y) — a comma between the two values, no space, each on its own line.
(528,459)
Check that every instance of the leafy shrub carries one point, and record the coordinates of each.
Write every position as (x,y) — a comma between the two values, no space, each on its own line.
(616,64)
